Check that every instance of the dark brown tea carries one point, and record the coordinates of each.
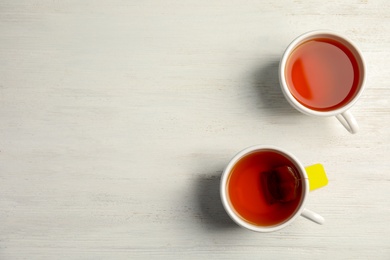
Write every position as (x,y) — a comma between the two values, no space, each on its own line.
(322,74)
(248,191)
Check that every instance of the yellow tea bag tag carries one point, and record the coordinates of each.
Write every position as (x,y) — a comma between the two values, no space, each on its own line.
(317,176)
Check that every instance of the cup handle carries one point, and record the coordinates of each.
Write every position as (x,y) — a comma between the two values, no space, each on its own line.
(348,121)
(310,215)
(317,179)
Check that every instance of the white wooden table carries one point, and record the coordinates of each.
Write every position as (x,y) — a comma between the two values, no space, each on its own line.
(118,117)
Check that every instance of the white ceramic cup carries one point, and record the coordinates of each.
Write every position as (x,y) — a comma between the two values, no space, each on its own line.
(301,210)
(342,114)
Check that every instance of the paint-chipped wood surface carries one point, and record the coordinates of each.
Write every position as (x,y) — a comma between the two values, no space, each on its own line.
(117,118)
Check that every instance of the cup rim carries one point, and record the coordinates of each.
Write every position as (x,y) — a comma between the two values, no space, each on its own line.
(286,91)
(229,208)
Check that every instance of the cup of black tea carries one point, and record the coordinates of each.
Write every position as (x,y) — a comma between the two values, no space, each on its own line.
(264,188)
(322,73)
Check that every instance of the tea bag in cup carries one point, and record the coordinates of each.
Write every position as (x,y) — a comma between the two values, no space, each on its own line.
(280,184)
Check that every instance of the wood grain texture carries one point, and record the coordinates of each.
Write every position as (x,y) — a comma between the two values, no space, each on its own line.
(117,118)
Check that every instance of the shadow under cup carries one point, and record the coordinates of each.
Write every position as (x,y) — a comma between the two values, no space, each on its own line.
(243,195)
